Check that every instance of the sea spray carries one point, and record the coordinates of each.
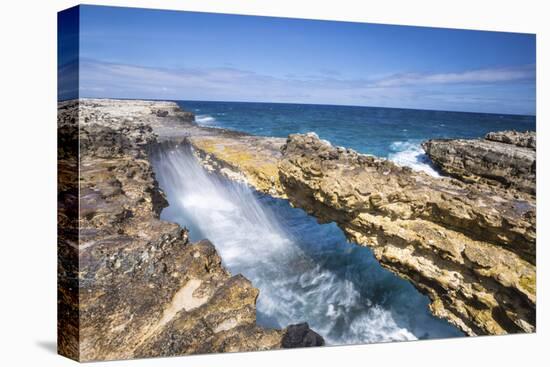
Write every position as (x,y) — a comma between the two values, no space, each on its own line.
(205,120)
(369,130)
(305,271)
(410,154)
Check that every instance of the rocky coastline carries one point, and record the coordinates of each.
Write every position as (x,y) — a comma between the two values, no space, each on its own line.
(132,285)
(470,245)
(470,248)
(467,241)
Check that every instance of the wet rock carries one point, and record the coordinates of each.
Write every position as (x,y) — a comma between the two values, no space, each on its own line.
(161,113)
(300,335)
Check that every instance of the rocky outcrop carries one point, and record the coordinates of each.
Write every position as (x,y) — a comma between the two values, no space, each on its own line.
(130,284)
(300,335)
(470,248)
(67,229)
(505,158)
(527,139)
(468,244)
(243,158)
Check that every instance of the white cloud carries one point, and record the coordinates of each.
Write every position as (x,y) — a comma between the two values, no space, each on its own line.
(496,75)
(100,79)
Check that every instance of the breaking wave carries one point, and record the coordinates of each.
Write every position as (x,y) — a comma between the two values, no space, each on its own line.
(205,120)
(411,154)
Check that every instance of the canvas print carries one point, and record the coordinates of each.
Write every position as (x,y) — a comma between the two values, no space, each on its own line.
(233,183)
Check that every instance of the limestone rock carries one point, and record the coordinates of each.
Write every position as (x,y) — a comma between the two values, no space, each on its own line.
(468,243)
(527,139)
(130,284)
(504,158)
(470,248)
(245,158)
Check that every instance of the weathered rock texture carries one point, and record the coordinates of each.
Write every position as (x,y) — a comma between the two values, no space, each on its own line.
(470,248)
(145,290)
(130,284)
(67,229)
(527,139)
(244,158)
(504,158)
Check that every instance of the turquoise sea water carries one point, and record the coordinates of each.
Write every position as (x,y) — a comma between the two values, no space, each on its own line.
(306,271)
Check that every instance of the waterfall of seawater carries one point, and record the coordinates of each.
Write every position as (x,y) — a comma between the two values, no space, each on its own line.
(305,271)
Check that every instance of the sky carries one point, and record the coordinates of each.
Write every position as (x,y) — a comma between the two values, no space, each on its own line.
(158,54)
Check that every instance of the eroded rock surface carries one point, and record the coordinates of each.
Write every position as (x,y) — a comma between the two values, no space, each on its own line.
(527,139)
(468,244)
(470,248)
(250,159)
(300,335)
(132,285)
(505,158)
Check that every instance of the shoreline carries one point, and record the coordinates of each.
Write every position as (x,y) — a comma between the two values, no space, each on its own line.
(131,285)
(221,154)
(299,169)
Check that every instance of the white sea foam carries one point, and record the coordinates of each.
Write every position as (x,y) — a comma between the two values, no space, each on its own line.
(205,119)
(255,241)
(410,154)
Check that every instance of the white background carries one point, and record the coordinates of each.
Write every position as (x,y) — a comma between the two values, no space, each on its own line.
(28,181)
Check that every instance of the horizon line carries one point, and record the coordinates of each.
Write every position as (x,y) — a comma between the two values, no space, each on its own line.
(301,103)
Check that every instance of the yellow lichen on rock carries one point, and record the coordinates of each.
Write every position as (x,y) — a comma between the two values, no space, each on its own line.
(465,246)
(241,155)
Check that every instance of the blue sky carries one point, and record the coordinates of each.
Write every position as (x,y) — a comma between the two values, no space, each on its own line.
(139,53)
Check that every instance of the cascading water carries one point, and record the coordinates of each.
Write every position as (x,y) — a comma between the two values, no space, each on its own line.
(305,271)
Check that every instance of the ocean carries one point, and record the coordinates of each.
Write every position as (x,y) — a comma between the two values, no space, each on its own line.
(392,133)
(307,271)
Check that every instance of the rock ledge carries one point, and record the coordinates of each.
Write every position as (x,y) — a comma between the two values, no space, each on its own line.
(505,158)
(130,284)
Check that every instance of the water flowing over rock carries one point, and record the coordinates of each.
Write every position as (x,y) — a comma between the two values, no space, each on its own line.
(130,284)
(505,158)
